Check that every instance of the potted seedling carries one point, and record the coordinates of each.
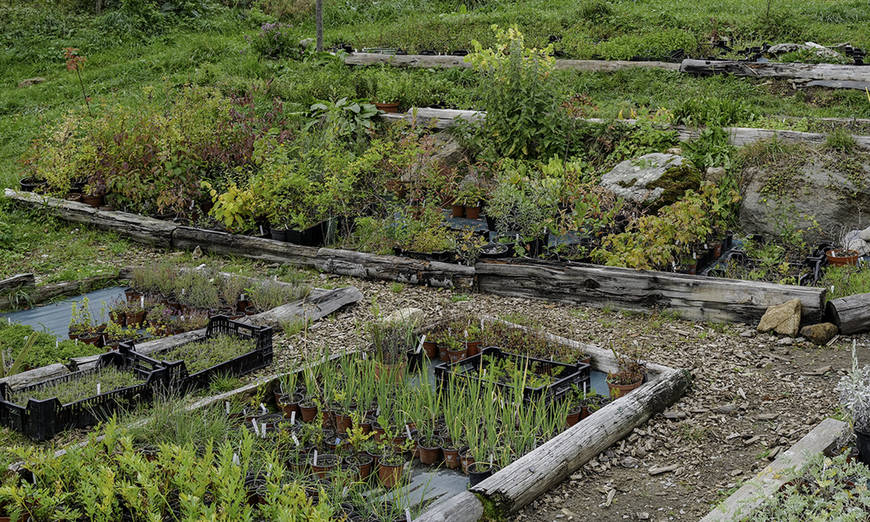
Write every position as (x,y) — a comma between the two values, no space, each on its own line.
(392,460)
(81,324)
(629,375)
(468,200)
(391,342)
(387,93)
(854,391)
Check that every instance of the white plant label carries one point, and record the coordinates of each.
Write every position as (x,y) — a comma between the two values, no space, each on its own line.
(263,407)
(98,388)
(142,301)
(256,428)
(227,404)
(295,440)
(407,515)
(315,457)
(236,459)
(261,231)
(420,346)
(408,431)
(293,418)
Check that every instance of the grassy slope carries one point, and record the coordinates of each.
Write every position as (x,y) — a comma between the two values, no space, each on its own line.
(215,51)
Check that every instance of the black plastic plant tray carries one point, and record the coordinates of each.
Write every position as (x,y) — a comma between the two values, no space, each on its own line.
(260,357)
(571,374)
(43,419)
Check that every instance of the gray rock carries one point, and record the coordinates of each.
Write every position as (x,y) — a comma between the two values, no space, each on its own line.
(784,319)
(865,234)
(30,81)
(816,191)
(635,179)
(715,174)
(858,245)
(747,333)
(785,341)
(448,153)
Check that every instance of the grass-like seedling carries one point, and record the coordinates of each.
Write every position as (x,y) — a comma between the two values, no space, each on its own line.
(105,379)
(200,355)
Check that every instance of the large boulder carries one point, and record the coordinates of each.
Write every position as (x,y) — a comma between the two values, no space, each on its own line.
(784,319)
(816,192)
(442,152)
(655,179)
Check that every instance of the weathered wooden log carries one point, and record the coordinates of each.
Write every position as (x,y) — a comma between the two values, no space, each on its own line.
(693,297)
(143,229)
(462,507)
(805,71)
(394,268)
(309,309)
(851,314)
(448,62)
(35,375)
(737,136)
(17,281)
(741,504)
(225,243)
(535,473)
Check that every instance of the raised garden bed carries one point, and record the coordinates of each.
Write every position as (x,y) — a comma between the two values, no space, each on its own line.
(81,398)
(228,348)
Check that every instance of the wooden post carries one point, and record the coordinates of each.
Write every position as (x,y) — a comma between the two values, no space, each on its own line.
(318,9)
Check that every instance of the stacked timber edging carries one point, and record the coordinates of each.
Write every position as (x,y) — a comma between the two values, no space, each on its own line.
(694,297)
(737,136)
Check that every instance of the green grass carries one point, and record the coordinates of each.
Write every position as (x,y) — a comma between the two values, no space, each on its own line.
(54,250)
(842,281)
(205,354)
(106,379)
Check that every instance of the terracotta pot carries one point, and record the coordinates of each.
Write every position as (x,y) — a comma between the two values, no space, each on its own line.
(838,257)
(134,318)
(93,201)
(456,355)
(389,474)
(431,349)
(132,295)
(364,463)
(93,338)
(290,404)
(375,458)
(119,318)
(388,107)
(430,453)
(308,412)
(451,457)
(390,372)
(442,351)
(379,433)
(619,390)
(472,212)
(325,463)
(342,422)
(472,348)
(457,211)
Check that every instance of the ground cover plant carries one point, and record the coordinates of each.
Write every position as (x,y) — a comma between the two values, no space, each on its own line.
(88,385)
(205,354)
(45,348)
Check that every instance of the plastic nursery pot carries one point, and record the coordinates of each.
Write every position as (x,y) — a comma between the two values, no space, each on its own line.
(93,201)
(390,471)
(131,294)
(573,417)
(457,211)
(472,212)
(119,318)
(838,257)
(390,372)
(431,349)
(74,196)
(324,464)
(863,443)
(342,422)
(456,355)
(466,460)
(451,457)
(620,390)
(478,472)
(472,348)
(135,318)
(442,351)
(29,185)
(430,451)
(290,405)
(277,234)
(364,463)
(308,410)
(388,107)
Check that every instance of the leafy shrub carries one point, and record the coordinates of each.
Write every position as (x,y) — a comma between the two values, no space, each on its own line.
(518,93)
(656,241)
(842,281)
(709,110)
(276,40)
(45,351)
(711,149)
